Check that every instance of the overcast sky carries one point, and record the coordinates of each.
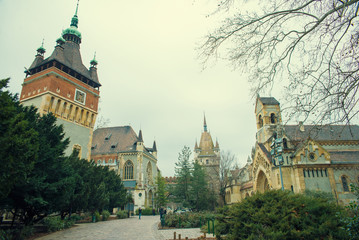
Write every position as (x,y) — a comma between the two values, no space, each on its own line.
(148,69)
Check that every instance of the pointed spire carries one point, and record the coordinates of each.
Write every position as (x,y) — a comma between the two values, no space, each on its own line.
(75,20)
(140,139)
(205,123)
(217,145)
(94,61)
(196,145)
(71,33)
(154,148)
(41,50)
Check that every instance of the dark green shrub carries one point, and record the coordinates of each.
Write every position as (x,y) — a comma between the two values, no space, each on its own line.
(97,216)
(76,217)
(122,214)
(282,215)
(146,211)
(186,220)
(54,224)
(105,215)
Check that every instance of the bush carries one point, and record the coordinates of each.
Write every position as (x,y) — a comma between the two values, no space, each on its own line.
(122,214)
(186,220)
(105,215)
(146,211)
(97,216)
(54,224)
(282,215)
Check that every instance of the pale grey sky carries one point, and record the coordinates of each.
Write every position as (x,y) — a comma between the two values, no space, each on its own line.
(148,69)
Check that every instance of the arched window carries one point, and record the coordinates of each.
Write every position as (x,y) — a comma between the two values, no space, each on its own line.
(99,161)
(63,109)
(149,173)
(260,121)
(345,184)
(128,170)
(272,118)
(57,106)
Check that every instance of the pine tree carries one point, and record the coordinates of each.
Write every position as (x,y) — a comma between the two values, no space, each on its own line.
(161,193)
(183,177)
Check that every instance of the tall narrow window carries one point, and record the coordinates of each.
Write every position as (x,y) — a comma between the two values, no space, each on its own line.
(304,172)
(285,144)
(345,184)
(260,121)
(63,109)
(128,170)
(272,118)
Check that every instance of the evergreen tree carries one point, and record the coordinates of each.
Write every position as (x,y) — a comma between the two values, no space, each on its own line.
(282,215)
(18,139)
(200,194)
(161,193)
(183,177)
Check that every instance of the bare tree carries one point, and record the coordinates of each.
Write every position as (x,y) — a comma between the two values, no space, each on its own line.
(311,45)
(226,164)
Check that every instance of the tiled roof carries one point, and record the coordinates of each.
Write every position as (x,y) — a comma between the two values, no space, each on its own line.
(119,139)
(269,101)
(323,133)
(69,55)
(265,151)
(344,156)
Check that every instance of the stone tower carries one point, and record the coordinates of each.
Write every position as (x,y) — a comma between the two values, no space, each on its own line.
(208,155)
(268,117)
(62,85)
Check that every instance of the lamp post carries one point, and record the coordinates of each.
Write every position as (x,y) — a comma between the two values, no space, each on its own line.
(276,152)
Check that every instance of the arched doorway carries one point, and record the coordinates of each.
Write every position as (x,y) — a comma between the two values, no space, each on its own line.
(262,182)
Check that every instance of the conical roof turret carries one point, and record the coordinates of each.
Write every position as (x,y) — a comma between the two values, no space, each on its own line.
(154,148)
(140,139)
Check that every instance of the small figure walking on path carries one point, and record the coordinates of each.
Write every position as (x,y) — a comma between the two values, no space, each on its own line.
(139,213)
(153,212)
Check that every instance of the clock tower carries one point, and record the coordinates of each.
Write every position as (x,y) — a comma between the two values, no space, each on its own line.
(60,84)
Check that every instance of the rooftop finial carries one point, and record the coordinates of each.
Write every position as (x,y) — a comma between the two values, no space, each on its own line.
(75,20)
(94,61)
(204,123)
(41,50)
(77,7)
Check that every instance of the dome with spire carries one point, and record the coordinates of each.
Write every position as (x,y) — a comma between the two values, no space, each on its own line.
(71,33)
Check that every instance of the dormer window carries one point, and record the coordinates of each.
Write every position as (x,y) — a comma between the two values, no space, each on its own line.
(114,145)
(108,137)
(94,147)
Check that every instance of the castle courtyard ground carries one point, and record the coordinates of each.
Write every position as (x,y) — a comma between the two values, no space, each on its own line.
(126,229)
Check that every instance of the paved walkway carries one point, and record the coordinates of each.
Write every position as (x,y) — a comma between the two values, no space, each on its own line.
(126,229)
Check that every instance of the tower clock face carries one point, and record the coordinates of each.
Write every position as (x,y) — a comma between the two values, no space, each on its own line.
(80,96)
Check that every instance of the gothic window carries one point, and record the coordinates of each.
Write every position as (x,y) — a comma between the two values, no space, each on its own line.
(345,184)
(304,172)
(321,172)
(99,161)
(51,103)
(207,161)
(70,111)
(110,161)
(128,170)
(260,121)
(149,173)
(63,109)
(326,173)
(57,106)
(76,113)
(272,118)
(285,144)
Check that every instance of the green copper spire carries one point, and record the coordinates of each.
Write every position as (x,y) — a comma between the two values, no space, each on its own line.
(41,50)
(71,33)
(94,61)
(75,20)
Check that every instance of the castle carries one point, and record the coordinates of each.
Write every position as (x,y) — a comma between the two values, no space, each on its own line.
(324,158)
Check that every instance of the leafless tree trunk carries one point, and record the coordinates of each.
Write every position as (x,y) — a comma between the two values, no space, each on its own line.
(226,164)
